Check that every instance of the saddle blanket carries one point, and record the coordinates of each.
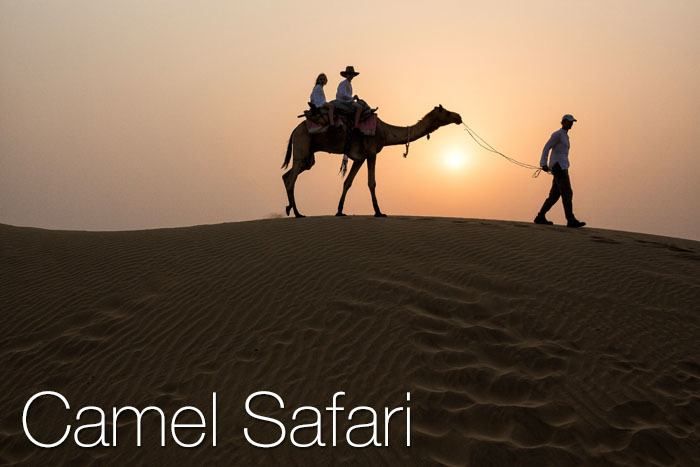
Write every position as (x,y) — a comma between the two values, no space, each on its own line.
(367,127)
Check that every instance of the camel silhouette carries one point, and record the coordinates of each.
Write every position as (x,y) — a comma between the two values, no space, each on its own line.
(302,147)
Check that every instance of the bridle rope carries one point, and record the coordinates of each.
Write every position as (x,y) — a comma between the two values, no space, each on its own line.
(408,140)
(481,142)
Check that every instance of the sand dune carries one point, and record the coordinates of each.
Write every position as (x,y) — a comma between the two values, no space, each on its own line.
(520,344)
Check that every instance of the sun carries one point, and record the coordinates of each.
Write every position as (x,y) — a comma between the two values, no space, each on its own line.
(454,160)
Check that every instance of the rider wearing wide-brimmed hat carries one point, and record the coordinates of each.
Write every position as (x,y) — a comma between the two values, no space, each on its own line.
(345,100)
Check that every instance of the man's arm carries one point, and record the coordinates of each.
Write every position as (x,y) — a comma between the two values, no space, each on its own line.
(553,140)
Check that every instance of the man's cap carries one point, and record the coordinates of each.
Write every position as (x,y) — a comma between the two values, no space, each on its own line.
(569,118)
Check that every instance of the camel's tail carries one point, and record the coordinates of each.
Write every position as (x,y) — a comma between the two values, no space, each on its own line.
(288,156)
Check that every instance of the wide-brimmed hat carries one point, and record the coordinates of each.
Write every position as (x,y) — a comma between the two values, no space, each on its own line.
(349,71)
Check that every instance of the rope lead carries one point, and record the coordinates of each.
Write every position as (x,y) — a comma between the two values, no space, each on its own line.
(481,142)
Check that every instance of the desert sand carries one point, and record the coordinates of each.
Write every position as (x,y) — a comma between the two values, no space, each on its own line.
(520,344)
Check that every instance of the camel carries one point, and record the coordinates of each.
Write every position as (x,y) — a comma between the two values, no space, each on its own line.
(304,146)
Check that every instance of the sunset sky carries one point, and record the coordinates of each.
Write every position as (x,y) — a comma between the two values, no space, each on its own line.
(140,114)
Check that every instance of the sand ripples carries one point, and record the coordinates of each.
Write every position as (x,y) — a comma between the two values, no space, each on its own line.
(521,345)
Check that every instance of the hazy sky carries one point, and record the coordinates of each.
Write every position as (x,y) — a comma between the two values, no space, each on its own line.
(138,114)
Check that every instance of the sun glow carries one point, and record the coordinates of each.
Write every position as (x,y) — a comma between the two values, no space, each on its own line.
(455,160)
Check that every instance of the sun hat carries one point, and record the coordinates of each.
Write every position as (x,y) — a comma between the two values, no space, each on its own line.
(349,71)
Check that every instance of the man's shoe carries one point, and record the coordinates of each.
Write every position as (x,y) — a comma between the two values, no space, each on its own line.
(575,224)
(541,220)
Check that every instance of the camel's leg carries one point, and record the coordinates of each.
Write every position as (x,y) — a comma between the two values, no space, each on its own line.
(348,183)
(300,163)
(372,182)
(289,187)
(290,179)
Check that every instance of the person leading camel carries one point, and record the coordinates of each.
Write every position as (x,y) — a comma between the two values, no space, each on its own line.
(558,144)
(318,96)
(345,100)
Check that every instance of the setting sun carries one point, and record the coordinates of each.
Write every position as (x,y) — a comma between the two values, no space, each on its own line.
(455,159)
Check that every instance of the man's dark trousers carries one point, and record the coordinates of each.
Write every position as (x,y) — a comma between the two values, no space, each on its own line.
(561,188)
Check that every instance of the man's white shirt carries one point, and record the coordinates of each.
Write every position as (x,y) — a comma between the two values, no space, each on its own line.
(559,145)
(344,91)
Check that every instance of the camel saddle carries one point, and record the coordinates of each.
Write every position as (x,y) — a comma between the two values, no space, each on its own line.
(317,120)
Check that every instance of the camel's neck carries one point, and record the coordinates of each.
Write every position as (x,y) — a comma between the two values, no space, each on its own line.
(395,135)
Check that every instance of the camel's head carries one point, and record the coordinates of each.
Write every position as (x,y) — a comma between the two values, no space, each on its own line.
(443,116)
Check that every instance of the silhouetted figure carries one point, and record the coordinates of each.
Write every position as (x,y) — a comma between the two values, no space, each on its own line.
(558,144)
(348,103)
(303,145)
(345,100)
(318,97)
